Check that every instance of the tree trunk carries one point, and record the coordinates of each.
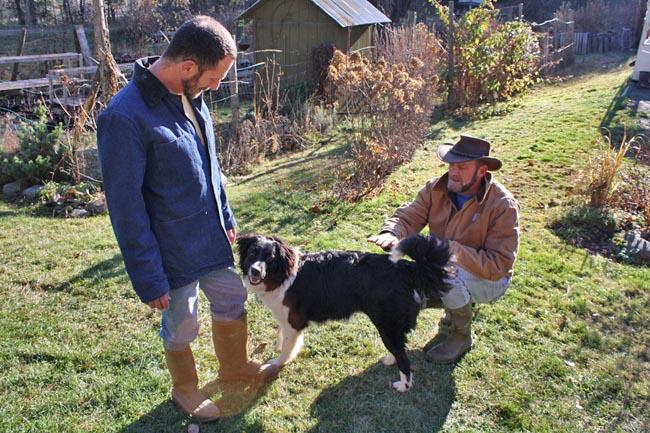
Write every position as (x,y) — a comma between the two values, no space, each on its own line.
(109,71)
(67,13)
(31,8)
(21,13)
(82,11)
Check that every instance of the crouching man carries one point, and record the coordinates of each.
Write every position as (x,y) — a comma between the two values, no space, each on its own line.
(480,219)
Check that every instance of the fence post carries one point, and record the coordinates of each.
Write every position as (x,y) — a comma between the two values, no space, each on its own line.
(521,11)
(450,68)
(234,97)
(411,20)
(19,52)
(546,50)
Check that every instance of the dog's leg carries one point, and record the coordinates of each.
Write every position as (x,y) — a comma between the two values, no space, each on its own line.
(405,374)
(292,340)
(396,345)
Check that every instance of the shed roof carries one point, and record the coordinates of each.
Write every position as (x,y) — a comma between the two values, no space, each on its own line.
(346,13)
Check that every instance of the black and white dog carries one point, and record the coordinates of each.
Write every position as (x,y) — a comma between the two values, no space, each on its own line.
(299,288)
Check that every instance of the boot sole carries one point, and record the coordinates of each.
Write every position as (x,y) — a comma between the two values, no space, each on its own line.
(445,362)
(195,417)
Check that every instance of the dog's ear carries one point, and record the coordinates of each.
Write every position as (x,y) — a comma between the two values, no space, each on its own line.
(287,255)
(244,242)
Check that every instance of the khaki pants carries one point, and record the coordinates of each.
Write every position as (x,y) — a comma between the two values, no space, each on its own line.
(226,294)
(466,286)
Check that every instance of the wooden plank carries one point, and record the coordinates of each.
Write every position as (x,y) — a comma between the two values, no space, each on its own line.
(35,30)
(19,52)
(86,70)
(38,58)
(24,84)
(80,34)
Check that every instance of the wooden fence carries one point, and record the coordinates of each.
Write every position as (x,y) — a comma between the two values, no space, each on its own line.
(603,42)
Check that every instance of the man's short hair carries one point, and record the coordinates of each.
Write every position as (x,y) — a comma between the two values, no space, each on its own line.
(201,39)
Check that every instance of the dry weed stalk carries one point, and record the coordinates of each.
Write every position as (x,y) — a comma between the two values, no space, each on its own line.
(597,180)
(267,131)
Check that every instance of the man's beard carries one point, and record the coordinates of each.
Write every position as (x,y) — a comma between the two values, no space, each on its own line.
(459,189)
(190,88)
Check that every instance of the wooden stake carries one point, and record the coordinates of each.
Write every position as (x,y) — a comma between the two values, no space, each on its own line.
(450,48)
(19,52)
(234,97)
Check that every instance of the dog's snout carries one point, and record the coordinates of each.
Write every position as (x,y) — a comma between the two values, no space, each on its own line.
(257,269)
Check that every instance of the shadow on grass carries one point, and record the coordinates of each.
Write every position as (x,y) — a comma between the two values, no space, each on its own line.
(364,403)
(595,64)
(598,232)
(6,214)
(313,155)
(625,92)
(102,271)
(167,417)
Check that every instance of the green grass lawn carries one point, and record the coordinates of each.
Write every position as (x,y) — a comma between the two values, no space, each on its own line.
(566,350)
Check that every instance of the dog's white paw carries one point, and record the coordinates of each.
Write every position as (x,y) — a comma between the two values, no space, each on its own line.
(388,359)
(404,384)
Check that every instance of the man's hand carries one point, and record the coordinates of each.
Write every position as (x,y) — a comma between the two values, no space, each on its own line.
(161,303)
(385,241)
(232,235)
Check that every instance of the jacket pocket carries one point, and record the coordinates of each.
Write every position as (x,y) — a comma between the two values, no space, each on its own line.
(184,243)
(177,162)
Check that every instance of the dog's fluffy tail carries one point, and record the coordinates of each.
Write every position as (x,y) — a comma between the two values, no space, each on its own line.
(431,255)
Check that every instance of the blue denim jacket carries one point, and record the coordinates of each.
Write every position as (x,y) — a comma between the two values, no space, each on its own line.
(163,188)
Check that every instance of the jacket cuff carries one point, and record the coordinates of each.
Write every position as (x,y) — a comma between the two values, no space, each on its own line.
(148,293)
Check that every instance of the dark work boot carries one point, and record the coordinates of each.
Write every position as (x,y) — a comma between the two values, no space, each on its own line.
(459,340)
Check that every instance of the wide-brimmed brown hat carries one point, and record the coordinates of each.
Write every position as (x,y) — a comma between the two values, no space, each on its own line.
(469,148)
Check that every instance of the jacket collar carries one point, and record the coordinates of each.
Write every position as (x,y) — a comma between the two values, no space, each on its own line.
(441,185)
(151,88)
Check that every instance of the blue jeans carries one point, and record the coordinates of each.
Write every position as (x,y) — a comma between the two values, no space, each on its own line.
(226,294)
(466,287)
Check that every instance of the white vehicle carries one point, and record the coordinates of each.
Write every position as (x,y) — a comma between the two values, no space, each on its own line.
(642,64)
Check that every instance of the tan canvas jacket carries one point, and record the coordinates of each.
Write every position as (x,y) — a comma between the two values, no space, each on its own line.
(483,235)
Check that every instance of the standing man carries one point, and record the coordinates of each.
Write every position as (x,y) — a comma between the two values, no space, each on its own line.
(169,210)
(480,219)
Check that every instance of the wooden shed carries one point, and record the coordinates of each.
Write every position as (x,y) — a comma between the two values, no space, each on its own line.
(296,26)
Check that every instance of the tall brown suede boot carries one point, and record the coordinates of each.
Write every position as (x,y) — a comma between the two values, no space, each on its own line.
(185,391)
(459,340)
(437,303)
(230,340)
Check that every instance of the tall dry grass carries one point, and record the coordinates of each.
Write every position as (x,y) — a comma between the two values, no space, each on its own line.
(600,177)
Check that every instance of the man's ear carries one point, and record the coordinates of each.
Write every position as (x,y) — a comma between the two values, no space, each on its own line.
(482,170)
(189,68)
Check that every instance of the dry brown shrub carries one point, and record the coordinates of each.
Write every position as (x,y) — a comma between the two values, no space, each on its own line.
(401,44)
(389,107)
